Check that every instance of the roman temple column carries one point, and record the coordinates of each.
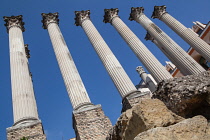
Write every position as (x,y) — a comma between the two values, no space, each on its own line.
(115,70)
(144,76)
(86,116)
(155,68)
(185,33)
(23,99)
(186,64)
(149,37)
(73,82)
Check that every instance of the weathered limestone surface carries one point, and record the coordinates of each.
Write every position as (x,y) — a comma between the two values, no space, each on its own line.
(184,95)
(133,99)
(32,131)
(149,113)
(151,119)
(91,123)
(196,128)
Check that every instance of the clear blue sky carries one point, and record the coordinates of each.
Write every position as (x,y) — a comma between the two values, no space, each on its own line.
(54,106)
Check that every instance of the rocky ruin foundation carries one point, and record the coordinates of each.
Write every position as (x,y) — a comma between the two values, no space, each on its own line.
(178,109)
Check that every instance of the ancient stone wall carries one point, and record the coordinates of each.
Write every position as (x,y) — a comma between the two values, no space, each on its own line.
(129,101)
(91,123)
(33,131)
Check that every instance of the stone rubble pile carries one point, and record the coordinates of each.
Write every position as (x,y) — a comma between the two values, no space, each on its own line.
(178,110)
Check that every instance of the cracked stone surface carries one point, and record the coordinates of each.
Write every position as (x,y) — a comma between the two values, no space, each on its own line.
(184,95)
(147,114)
(196,128)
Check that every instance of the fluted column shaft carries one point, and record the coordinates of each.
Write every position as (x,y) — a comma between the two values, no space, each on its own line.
(112,65)
(160,46)
(155,68)
(186,34)
(23,100)
(73,82)
(186,64)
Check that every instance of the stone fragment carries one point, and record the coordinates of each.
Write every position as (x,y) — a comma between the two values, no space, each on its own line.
(196,128)
(183,95)
(149,113)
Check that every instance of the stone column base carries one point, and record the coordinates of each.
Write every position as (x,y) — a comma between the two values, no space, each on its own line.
(32,131)
(91,123)
(134,98)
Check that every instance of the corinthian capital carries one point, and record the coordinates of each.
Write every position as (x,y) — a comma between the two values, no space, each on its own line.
(136,12)
(159,11)
(109,14)
(80,16)
(49,18)
(149,37)
(14,21)
(140,70)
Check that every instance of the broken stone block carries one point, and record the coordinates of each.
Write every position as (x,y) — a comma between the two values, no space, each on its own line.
(196,128)
(147,114)
(184,94)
